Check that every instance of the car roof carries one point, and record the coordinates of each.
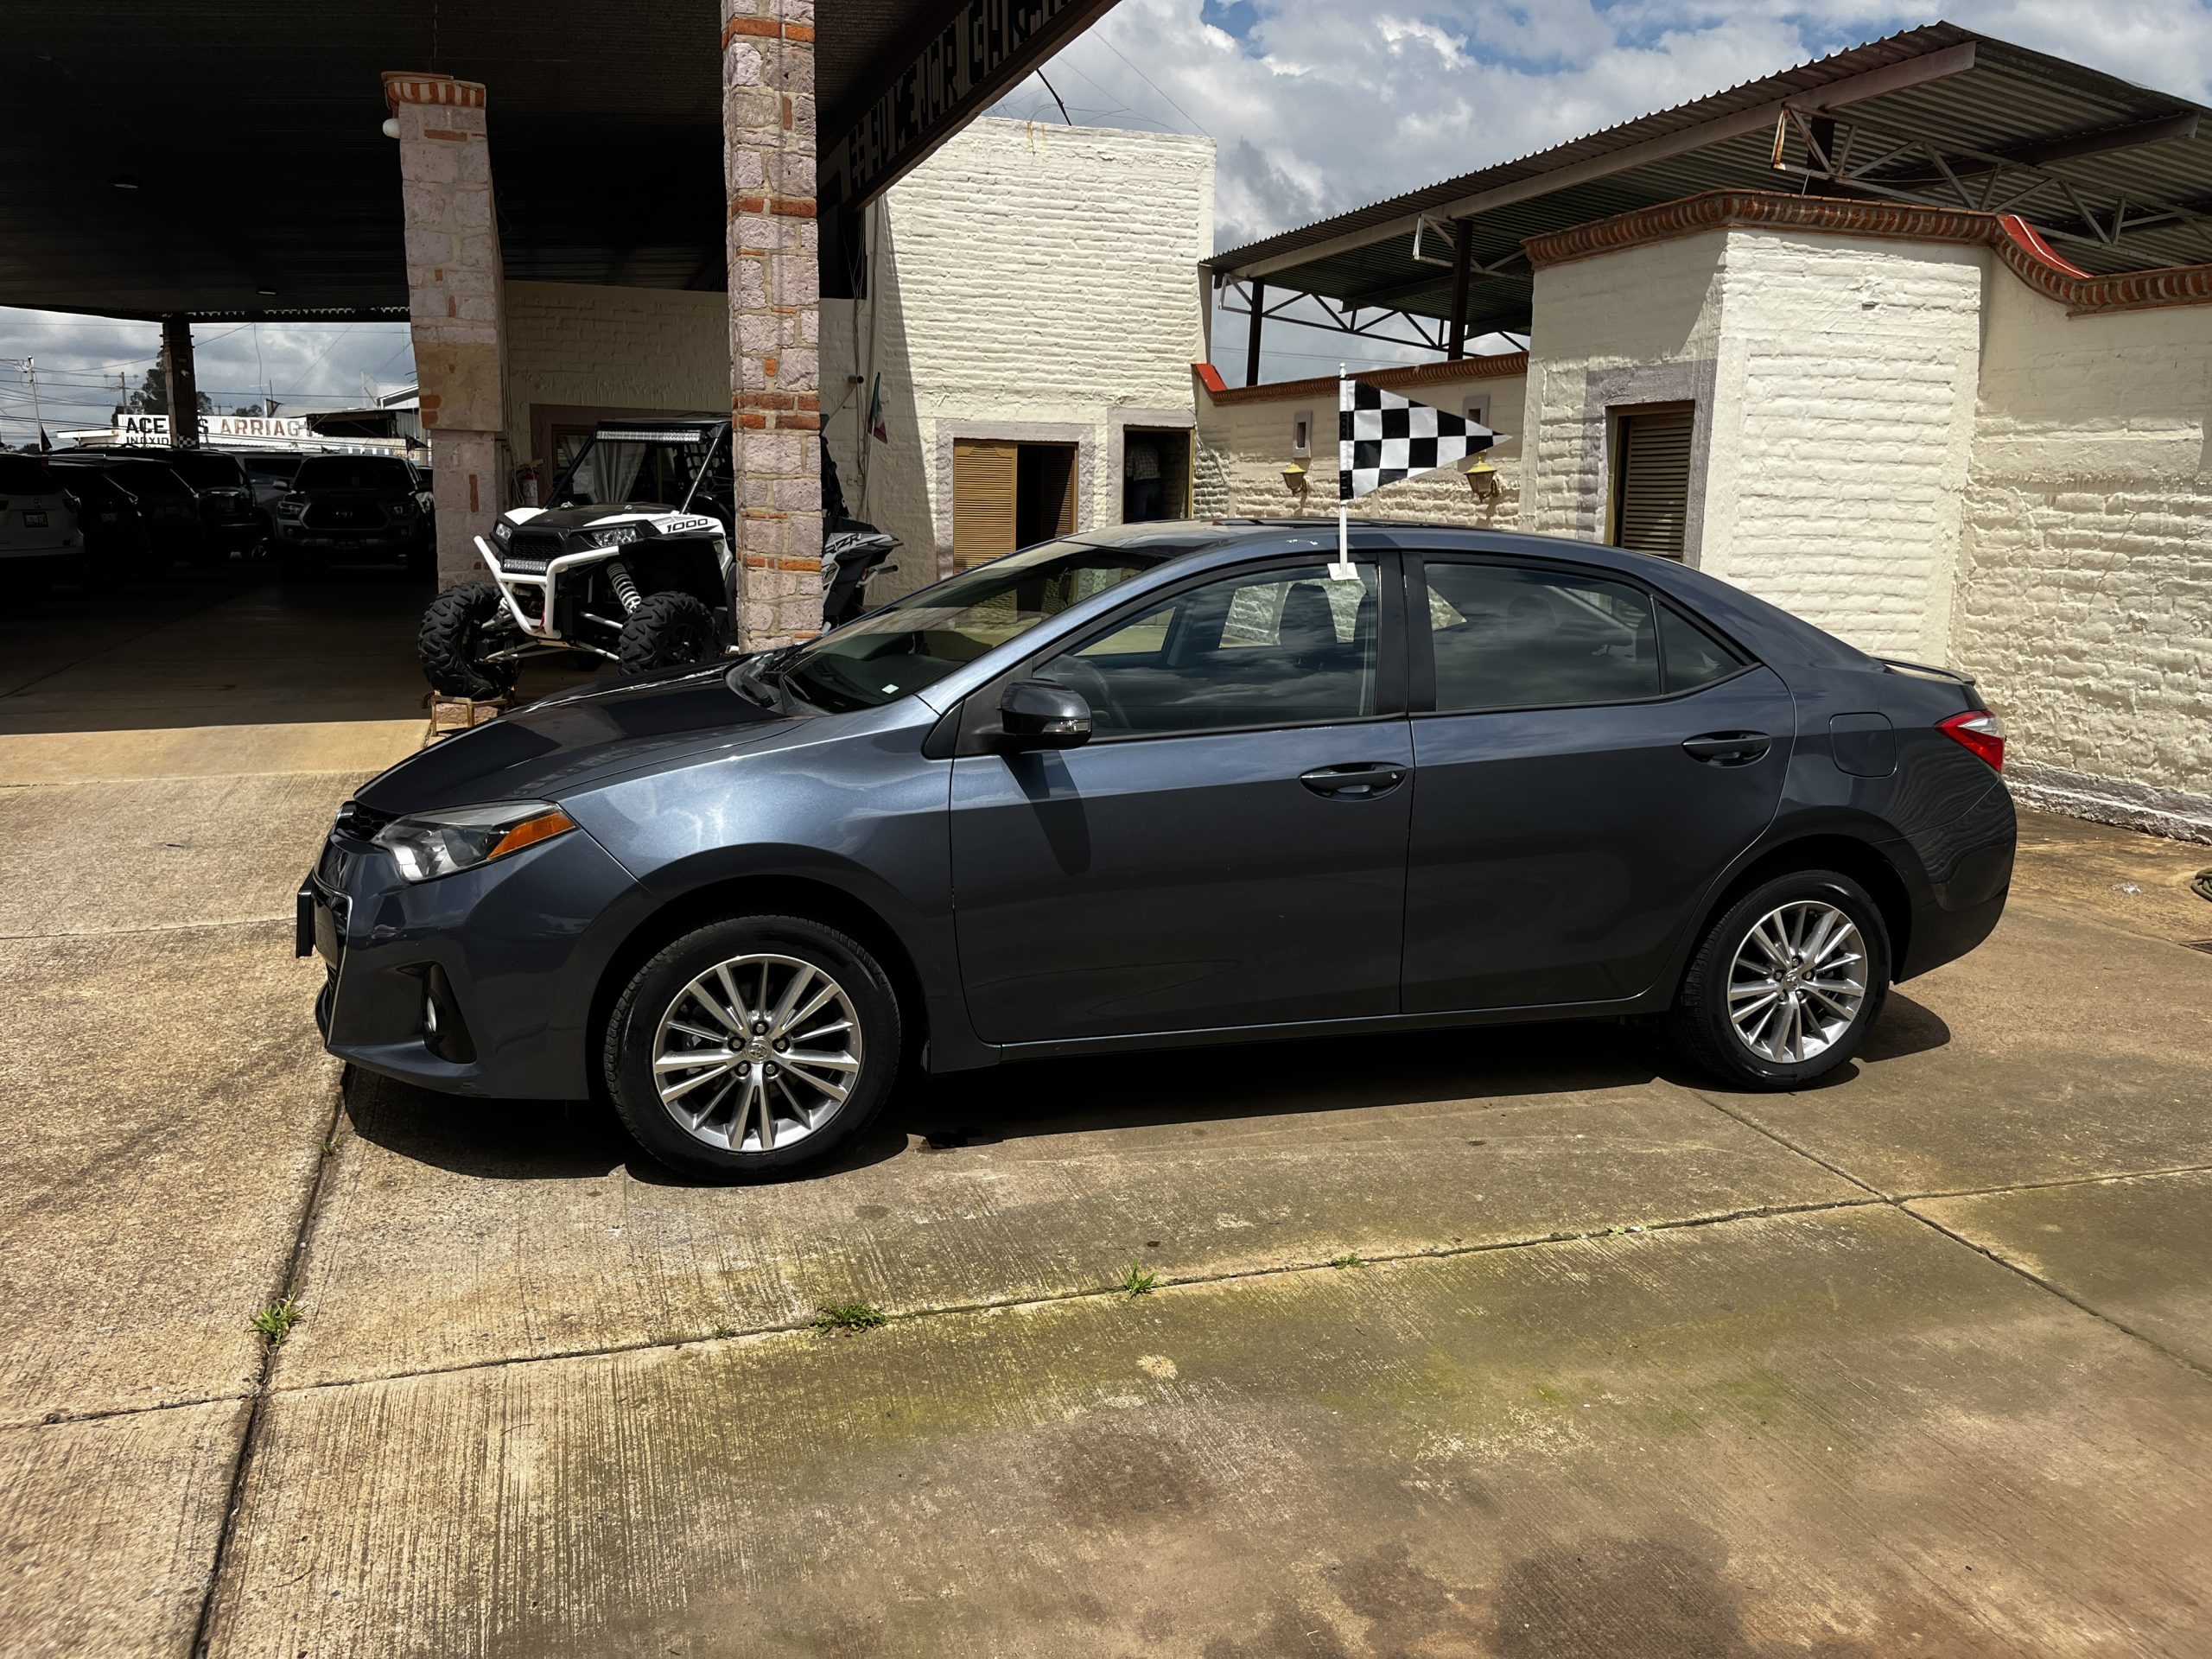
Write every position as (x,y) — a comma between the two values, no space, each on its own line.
(1772,633)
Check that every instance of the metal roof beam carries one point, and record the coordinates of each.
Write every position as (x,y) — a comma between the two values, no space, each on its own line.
(1874,83)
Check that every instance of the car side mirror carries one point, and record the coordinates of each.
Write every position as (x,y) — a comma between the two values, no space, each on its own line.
(1039,714)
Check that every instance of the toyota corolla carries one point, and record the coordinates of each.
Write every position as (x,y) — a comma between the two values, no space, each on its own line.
(1161,785)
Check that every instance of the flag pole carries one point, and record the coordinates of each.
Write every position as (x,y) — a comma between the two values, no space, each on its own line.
(1342,570)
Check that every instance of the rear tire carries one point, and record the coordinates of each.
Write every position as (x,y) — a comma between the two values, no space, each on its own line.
(1786,983)
(460,628)
(781,1113)
(667,630)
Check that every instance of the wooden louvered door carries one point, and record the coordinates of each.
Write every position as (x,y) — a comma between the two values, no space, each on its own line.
(984,474)
(1651,478)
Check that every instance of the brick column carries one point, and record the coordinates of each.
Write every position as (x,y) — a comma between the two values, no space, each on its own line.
(453,303)
(768,149)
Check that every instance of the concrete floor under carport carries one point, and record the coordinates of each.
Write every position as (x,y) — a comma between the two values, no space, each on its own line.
(1627,1364)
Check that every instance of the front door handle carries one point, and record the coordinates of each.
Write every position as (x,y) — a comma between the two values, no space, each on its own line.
(1727,748)
(1359,780)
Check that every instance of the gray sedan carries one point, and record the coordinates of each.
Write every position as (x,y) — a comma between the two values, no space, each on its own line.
(1162,786)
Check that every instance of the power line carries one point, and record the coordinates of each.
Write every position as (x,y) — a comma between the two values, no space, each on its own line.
(1149,81)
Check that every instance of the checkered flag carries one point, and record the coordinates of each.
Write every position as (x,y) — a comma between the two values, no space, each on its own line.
(1381,437)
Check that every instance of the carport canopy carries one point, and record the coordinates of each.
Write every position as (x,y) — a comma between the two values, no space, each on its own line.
(229,162)
(2116,177)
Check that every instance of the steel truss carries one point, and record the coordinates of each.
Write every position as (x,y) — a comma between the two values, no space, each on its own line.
(1397,327)
(1906,166)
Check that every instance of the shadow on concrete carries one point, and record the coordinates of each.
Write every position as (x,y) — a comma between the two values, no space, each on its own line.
(582,1140)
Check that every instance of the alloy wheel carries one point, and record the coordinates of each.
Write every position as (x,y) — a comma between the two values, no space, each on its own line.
(1798,982)
(757,1052)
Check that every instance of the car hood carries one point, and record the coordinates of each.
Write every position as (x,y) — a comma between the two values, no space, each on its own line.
(546,750)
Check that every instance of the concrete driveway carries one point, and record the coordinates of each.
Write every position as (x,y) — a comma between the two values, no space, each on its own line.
(1516,1342)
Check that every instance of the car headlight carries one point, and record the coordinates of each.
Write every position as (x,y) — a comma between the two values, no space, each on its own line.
(501,531)
(426,845)
(615,536)
(292,507)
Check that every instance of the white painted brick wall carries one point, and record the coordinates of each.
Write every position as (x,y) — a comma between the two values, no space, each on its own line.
(1843,422)
(1025,275)
(1244,447)
(1640,309)
(576,344)
(2085,596)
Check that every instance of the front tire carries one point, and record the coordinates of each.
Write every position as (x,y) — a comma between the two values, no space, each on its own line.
(666,631)
(461,627)
(1786,983)
(753,1047)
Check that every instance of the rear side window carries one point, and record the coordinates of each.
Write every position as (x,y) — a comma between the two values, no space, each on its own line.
(1695,657)
(1514,637)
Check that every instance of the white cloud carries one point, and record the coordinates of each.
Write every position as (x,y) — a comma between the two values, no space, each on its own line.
(1323,105)
(306,366)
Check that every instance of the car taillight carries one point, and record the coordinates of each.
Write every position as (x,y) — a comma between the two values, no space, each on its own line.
(1979,730)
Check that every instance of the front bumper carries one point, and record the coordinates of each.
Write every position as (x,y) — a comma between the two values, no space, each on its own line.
(480,983)
(388,541)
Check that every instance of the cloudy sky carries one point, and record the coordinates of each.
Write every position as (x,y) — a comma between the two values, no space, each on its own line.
(1318,105)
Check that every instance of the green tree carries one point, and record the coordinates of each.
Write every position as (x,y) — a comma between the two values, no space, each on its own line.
(152,397)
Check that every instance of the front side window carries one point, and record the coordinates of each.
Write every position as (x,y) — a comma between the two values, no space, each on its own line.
(1510,637)
(1288,646)
(918,640)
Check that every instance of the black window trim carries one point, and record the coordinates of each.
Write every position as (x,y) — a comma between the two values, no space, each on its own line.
(1421,654)
(977,713)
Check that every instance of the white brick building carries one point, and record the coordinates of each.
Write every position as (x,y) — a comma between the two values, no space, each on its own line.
(1028,286)
(1916,425)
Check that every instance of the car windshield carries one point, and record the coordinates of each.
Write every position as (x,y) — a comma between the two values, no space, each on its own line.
(351,473)
(918,640)
(205,472)
(26,475)
(657,465)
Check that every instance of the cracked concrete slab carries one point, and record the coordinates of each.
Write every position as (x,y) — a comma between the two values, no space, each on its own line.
(163,1107)
(2062,1048)
(109,1530)
(118,855)
(1839,1433)
(453,1232)
(2138,1251)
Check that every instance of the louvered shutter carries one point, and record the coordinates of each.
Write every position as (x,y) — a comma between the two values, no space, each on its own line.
(982,500)
(1651,478)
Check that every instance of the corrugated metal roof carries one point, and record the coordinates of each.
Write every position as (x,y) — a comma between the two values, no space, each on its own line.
(2010,97)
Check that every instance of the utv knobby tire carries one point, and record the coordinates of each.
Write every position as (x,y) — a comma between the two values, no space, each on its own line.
(455,632)
(666,631)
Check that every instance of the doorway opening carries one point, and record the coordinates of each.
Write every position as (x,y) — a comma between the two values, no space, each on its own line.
(1009,495)
(1155,473)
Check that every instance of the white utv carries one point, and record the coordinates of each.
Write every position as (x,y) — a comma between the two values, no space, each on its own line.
(629,560)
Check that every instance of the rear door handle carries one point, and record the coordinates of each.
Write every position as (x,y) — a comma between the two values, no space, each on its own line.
(1727,748)
(1359,780)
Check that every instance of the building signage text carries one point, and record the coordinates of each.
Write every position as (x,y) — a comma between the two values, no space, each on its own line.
(155,429)
(983,37)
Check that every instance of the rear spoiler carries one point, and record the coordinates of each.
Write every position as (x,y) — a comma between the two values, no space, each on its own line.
(1925,671)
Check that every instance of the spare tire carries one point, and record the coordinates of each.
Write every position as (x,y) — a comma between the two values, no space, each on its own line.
(464,625)
(668,629)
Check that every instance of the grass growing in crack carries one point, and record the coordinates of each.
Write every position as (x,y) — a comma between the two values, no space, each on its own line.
(850,1316)
(1139,1279)
(1349,1259)
(723,1332)
(276,1321)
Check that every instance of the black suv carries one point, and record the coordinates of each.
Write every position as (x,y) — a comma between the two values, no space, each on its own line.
(136,513)
(229,521)
(354,510)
